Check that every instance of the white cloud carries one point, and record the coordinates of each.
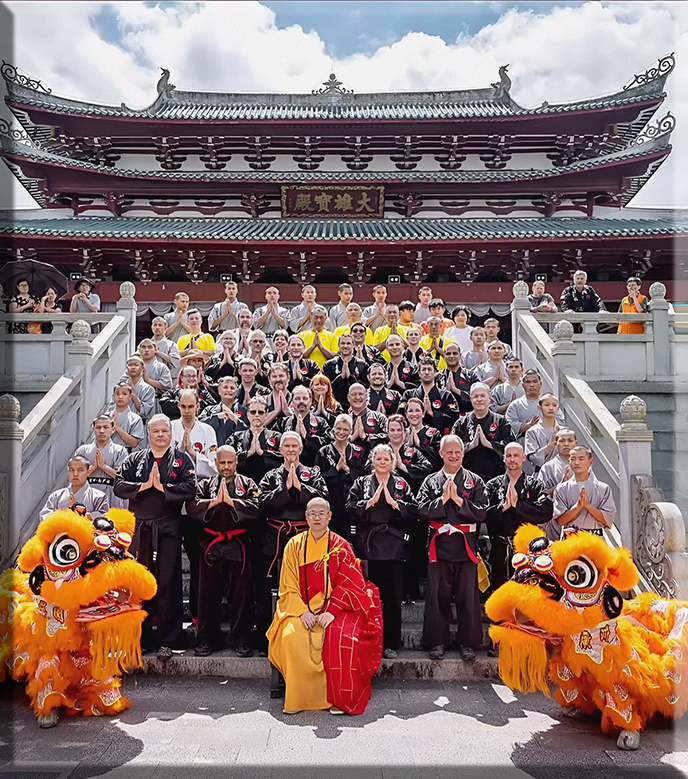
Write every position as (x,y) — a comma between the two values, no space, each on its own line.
(566,54)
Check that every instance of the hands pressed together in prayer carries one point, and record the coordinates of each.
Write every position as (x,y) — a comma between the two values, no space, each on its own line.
(255,447)
(222,496)
(479,439)
(511,498)
(451,492)
(293,477)
(384,492)
(153,480)
(341,463)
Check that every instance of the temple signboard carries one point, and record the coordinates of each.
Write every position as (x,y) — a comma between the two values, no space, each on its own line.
(333,201)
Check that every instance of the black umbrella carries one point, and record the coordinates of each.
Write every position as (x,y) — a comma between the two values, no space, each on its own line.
(40,276)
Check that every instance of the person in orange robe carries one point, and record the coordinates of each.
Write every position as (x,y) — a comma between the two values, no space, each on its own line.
(326,635)
(633,303)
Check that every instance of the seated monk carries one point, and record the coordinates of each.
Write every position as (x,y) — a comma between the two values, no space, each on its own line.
(326,635)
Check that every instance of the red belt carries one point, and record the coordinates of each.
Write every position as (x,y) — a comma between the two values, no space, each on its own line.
(283,526)
(225,535)
(463,528)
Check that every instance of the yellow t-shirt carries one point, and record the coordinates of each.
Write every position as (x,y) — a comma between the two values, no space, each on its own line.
(204,341)
(327,339)
(425,343)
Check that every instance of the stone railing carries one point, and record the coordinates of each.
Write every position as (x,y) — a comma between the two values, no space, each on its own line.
(655,355)
(650,527)
(34,451)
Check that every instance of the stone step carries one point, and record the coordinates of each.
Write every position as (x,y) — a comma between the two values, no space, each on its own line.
(409,664)
(412,634)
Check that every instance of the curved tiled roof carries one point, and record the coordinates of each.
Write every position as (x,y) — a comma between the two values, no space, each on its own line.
(373,230)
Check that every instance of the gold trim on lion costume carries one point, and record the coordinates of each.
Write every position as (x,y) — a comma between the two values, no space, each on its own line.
(70,614)
(562,620)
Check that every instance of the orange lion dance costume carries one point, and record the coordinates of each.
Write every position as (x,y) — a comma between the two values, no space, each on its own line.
(70,615)
(561,619)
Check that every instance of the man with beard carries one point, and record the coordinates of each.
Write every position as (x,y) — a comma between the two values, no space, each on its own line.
(313,429)
(257,448)
(440,406)
(453,502)
(512,499)
(381,399)
(401,375)
(227,416)
(455,378)
(243,333)
(301,370)
(279,401)
(104,458)
(344,369)
(369,427)
(484,435)
(284,494)
(156,482)
(225,506)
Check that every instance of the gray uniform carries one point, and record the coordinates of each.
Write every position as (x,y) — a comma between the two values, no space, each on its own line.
(552,472)
(487,370)
(95,501)
(296,315)
(523,410)
(271,324)
(379,320)
(146,394)
(230,321)
(178,331)
(502,393)
(169,348)
(537,438)
(471,359)
(566,496)
(158,371)
(337,317)
(113,455)
(131,423)
(421,314)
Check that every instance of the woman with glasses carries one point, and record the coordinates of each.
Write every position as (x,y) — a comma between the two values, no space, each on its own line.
(326,633)
(362,350)
(257,448)
(384,510)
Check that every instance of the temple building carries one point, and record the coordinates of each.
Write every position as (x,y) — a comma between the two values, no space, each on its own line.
(455,188)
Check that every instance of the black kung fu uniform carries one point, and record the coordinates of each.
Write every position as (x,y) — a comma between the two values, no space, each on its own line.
(301,372)
(257,465)
(157,542)
(225,564)
(256,389)
(429,439)
(358,374)
(445,409)
(339,483)
(390,400)
(215,370)
(317,435)
(453,558)
(170,398)
(224,428)
(407,373)
(533,505)
(374,427)
(371,355)
(463,379)
(487,463)
(283,515)
(382,538)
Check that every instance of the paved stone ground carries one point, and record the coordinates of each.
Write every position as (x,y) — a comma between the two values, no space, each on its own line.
(210,727)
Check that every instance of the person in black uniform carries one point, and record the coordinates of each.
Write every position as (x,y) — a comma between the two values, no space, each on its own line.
(228,416)
(345,369)
(401,375)
(439,406)
(157,482)
(513,498)
(384,509)
(341,463)
(369,427)
(381,399)
(284,494)
(453,502)
(314,430)
(279,400)
(484,434)
(188,379)
(301,370)
(257,448)
(363,351)
(225,506)
(455,378)
(425,438)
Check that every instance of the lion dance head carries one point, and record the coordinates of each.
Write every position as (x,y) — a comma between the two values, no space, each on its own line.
(71,615)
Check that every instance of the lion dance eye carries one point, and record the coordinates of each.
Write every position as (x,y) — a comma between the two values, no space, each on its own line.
(580,573)
(64,551)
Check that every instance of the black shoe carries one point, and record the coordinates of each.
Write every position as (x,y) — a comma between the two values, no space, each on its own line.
(466,653)
(436,653)
(262,653)
(244,651)
(203,650)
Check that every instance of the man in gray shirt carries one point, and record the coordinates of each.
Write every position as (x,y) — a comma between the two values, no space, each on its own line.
(374,316)
(272,316)
(300,316)
(223,316)
(78,493)
(338,316)
(557,469)
(177,319)
(524,412)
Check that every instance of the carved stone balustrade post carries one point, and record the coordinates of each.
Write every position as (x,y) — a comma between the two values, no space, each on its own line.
(126,306)
(563,356)
(659,308)
(79,355)
(519,307)
(11,436)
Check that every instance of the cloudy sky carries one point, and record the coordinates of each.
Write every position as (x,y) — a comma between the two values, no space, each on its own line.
(111,52)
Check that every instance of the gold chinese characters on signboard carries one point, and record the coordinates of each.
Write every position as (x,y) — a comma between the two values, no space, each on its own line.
(333,201)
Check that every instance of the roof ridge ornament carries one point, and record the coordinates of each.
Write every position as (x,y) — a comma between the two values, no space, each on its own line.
(663,67)
(12,75)
(14,133)
(502,87)
(651,132)
(164,87)
(332,86)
